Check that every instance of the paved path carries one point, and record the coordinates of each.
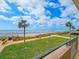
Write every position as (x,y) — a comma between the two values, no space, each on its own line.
(15,42)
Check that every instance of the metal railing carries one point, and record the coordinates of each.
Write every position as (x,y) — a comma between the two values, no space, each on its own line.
(72,43)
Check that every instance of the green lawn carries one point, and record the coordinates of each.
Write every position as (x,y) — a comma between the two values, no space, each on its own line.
(66,35)
(30,49)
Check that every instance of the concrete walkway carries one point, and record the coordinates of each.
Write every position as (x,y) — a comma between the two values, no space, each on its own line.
(57,53)
(15,42)
(77,55)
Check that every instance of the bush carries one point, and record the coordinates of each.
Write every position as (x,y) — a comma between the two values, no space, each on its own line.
(3,38)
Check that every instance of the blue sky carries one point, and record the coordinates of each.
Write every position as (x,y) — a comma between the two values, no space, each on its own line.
(43,15)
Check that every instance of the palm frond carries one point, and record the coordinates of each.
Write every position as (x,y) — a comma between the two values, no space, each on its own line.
(20,25)
(23,24)
(69,24)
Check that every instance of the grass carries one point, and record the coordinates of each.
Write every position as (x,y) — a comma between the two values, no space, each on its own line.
(30,49)
(66,34)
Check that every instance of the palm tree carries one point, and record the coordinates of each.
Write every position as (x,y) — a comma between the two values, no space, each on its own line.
(23,24)
(70,26)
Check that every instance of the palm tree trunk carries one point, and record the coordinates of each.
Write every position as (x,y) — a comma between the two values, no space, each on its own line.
(24,34)
(70,32)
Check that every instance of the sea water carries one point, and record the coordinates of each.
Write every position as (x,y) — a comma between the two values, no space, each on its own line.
(21,33)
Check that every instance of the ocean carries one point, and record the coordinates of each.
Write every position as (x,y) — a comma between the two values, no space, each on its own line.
(20,33)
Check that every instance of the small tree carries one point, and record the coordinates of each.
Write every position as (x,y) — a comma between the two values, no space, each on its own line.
(23,24)
(70,26)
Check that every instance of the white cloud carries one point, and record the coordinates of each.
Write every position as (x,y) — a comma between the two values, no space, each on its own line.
(3,6)
(48,12)
(33,6)
(21,10)
(76,16)
(42,21)
(13,19)
(39,11)
(28,3)
(66,2)
(29,19)
(70,10)
(37,8)
(54,5)
(16,19)
(59,21)
(3,17)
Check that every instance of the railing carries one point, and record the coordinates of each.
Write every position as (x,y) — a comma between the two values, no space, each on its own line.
(72,43)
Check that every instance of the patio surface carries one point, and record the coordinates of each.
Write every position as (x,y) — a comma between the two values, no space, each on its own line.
(77,55)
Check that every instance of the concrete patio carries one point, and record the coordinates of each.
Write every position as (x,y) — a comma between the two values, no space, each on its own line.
(77,55)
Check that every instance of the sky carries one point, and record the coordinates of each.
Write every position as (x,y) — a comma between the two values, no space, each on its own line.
(42,15)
